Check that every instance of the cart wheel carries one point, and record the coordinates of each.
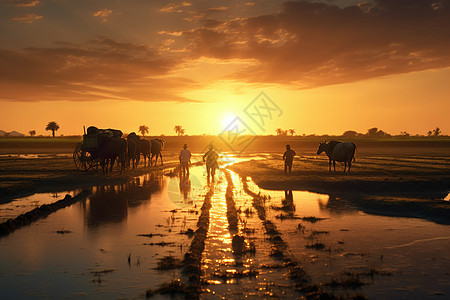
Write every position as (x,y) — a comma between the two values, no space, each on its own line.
(82,159)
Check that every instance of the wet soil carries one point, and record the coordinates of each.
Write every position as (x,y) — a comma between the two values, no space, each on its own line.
(23,175)
(405,186)
(168,236)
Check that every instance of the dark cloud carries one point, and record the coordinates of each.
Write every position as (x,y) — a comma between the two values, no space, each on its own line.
(28,18)
(100,69)
(315,44)
(24,3)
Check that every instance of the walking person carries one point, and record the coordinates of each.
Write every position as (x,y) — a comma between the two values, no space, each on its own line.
(185,160)
(288,157)
(210,158)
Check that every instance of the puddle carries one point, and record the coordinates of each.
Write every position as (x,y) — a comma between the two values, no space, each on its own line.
(109,245)
(412,254)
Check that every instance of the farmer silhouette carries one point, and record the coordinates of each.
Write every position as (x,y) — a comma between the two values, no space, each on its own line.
(211,162)
(288,157)
(185,160)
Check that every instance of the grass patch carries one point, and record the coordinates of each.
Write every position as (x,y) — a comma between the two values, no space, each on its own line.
(169,263)
(312,219)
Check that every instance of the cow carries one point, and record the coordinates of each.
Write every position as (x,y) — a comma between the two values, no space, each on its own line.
(145,149)
(133,153)
(134,149)
(110,149)
(156,147)
(338,151)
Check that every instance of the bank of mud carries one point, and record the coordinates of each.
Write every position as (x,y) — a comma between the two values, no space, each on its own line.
(408,190)
(21,176)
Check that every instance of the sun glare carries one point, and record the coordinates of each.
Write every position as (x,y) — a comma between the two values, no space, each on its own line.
(227,119)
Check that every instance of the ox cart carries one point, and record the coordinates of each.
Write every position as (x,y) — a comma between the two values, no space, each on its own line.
(87,154)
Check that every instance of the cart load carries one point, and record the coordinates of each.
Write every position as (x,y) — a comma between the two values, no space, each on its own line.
(86,154)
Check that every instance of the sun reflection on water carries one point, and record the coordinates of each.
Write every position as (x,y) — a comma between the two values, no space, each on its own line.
(218,243)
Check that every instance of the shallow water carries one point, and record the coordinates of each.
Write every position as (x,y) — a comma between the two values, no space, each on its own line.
(102,255)
(411,253)
(22,205)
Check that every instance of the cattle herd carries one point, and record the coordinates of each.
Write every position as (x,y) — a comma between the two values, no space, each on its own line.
(108,145)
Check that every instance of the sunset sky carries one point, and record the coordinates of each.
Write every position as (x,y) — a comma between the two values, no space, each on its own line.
(330,66)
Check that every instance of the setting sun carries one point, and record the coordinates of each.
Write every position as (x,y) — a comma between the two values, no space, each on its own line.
(227,119)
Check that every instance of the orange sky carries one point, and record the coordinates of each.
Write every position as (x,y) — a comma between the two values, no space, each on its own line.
(329,66)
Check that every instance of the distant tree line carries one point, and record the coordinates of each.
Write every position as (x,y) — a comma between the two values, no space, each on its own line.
(375,132)
(371,132)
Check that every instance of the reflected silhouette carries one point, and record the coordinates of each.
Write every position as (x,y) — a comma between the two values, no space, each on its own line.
(185,187)
(106,205)
(288,201)
(109,204)
(337,205)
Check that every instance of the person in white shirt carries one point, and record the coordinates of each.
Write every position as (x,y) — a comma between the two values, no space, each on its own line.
(185,160)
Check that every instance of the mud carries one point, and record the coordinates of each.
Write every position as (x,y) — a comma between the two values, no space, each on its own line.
(40,212)
(166,236)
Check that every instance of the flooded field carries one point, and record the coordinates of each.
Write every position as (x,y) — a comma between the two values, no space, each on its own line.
(165,236)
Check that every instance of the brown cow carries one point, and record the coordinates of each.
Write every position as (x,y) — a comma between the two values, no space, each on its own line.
(157,145)
(110,149)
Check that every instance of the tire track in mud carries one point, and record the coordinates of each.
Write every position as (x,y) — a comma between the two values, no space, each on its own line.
(228,262)
(42,211)
(278,249)
(190,285)
(302,282)
(193,258)
(278,245)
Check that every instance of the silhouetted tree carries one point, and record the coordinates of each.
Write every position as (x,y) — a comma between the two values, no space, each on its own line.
(179,130)
(143,129)
(404,133)
(374,132)
(32,133)
(430,133)
(280,131)
(291,132)
(437,131)
(350,133)
(53,126)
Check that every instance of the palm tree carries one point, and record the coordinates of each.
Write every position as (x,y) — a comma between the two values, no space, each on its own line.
(437,131)
(143,129)
(279,131)
(179,130)
(32,133)
(53,126)
(291,132)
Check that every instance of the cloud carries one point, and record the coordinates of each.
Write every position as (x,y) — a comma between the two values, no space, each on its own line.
(24,3)
(28,18)
(100,69)
(175,7)
(103,14)
(313,44)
